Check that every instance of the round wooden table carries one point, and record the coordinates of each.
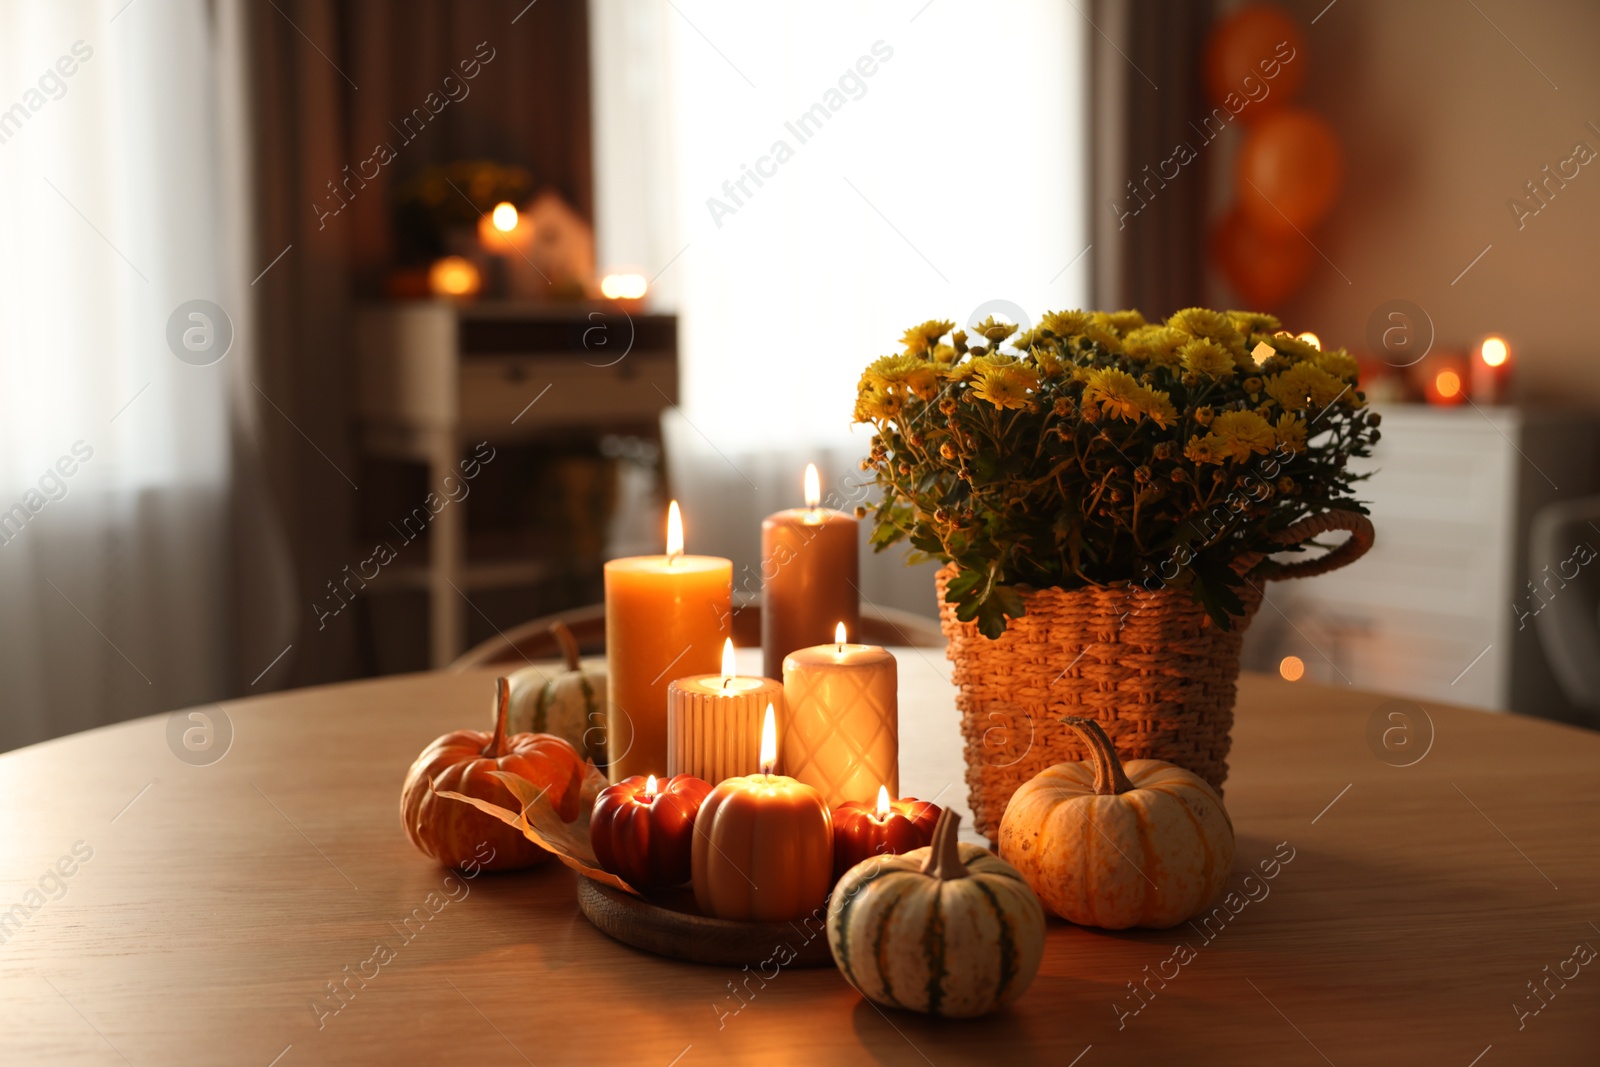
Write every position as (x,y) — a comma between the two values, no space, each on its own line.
(1432,884)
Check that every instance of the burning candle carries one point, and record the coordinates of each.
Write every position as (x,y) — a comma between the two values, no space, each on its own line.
(714,722)
(887,828)
(843,733)
(666,616)
(1490,376)
(810,571)
(763,844)
(1444,378)
(641,829)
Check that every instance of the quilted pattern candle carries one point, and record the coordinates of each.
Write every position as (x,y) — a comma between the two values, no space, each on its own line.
(843,733)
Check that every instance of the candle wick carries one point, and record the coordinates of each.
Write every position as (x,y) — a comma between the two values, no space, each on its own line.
(726,680)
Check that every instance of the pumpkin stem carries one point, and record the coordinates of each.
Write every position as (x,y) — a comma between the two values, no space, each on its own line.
(944,857)
(1109,777)
(502,716)
(568,643)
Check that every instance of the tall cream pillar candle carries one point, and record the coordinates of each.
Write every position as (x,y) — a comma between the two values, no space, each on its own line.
(843,733)
(810,575)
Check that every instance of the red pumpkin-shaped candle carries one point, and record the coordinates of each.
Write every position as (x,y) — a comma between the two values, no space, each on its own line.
(888,828)
(643,829)
(460,762)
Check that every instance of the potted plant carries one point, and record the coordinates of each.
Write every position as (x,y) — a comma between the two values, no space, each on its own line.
(1106,495)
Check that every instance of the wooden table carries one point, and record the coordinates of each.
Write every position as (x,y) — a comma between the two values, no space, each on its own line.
(221,899)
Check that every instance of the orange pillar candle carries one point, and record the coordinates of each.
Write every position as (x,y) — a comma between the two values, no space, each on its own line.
(843,733)
(763,845)
(666,617)
(810,574)
(714,722)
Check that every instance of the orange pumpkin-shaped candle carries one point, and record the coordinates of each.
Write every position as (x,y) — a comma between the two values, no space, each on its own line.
(763,845)
(887,828)
(643,829)
(460,762)
(1116,845)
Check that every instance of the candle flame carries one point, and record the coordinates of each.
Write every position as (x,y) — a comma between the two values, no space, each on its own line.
(1312,339)
(769,741)
(883,802)
(674,531)
(813,486)
(839,636)
(1494,351)
(650,788)
(505,217)
(727,660)
(1448,383)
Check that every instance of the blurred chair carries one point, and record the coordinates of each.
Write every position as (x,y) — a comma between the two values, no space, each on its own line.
(533,640)
(1565,600)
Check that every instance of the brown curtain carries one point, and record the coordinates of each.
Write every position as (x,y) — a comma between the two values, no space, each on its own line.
(1149,241)
(332,79)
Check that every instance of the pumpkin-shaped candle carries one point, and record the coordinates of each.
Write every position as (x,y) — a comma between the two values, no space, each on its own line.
(642,829)
(763,845)
(887,828)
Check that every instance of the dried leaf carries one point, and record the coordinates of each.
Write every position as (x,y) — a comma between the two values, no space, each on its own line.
(542,824)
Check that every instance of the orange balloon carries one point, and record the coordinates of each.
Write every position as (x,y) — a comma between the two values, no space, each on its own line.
(1257,53)
(1288,171)
(1263,268)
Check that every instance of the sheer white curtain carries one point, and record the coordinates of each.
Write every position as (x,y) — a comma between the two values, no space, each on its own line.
(826,175)
(120,205)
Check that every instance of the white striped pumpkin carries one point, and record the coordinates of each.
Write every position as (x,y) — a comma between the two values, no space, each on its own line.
(949,930)
(569,703)
(1116,845)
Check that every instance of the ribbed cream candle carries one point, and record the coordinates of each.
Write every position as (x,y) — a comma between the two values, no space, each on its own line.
(714,724)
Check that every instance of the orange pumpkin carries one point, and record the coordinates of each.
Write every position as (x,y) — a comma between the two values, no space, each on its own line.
(450,832)
(1113,845)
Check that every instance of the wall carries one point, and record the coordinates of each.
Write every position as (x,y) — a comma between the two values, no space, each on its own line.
(1444,120)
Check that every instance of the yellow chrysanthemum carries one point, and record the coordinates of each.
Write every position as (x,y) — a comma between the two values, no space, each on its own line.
(1303,386)
(1119,393)
(1291,432)
(1249,322)
(874,404)
(1116,391)
(1065,323)
(1338,363)
(919,339)
(904,372)
(1291,346)
(1239,434)
(1158,345)
(1118,322)
(1008,385)
(1199,450)
(995,330)
(1213,325)
(1107,340)
(1203,356)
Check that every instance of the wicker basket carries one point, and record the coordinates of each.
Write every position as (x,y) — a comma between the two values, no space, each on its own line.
(1150,666)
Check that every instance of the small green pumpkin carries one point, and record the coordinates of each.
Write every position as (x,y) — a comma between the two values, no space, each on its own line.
(949,930)
(570,703)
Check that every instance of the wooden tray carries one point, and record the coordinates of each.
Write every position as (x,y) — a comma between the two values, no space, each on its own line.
(671,926)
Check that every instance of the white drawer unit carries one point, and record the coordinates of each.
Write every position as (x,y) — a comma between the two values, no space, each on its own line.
(436,377)
(1432,611)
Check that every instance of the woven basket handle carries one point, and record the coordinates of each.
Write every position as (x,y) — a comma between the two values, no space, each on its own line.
(1358,525)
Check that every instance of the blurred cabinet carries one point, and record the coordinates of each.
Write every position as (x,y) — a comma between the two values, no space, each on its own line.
(436,378)
(1432,611)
